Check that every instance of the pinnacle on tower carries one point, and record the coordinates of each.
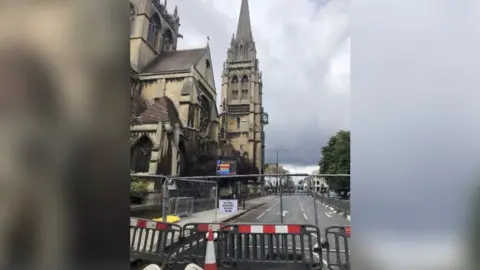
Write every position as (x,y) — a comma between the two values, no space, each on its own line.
(244,28)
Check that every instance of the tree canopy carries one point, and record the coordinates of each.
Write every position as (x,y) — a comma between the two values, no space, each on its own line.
(336,160)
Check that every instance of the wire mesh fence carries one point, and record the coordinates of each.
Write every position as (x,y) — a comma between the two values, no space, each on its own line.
(183,196)
(191,195)
(175,196)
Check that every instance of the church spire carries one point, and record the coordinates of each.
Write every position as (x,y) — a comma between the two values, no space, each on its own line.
(244,29)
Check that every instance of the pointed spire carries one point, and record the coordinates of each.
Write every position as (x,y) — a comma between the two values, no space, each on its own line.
(244,29)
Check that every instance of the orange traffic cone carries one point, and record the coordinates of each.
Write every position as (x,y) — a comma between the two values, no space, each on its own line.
(210,259)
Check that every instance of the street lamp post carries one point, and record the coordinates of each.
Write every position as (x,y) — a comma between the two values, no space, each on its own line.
(279,181)
(315,203)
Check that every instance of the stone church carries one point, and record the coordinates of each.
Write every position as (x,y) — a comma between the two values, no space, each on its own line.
(242,114)
(174,113)
(175,121)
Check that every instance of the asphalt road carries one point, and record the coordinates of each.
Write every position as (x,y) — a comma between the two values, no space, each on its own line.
(296,209)
(300,209)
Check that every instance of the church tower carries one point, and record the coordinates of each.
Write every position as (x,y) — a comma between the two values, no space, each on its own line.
(153,31)
(243,118)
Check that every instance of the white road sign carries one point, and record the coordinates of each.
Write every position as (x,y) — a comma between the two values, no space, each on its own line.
(228,206)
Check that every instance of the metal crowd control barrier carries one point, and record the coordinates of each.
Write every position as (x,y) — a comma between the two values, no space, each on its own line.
(256,245)
(180,206)
(171,206)
(337,247)
(150,240)
(194,243)
(184,206)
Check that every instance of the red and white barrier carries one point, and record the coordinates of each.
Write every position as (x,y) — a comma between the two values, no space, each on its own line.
(270,229)
(205,227)
(148,224)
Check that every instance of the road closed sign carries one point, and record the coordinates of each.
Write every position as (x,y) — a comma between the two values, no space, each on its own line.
(228,206)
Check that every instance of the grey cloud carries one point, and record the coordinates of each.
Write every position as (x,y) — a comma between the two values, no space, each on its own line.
(293,94)
(293,63)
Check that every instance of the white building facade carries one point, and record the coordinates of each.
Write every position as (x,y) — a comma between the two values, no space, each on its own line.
(316,182)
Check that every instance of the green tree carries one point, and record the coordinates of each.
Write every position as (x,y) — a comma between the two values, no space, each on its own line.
(138,190)
(336,160)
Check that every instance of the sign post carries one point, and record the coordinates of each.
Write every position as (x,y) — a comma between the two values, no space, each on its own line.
(228,206)
(226,167)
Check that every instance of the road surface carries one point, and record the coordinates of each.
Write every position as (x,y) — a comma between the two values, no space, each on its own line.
(297,209)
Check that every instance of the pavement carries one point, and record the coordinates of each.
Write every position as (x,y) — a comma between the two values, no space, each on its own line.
(214,215)
(297,209)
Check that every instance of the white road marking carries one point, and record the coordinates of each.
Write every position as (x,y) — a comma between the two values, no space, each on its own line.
(325,262)
(261,215)
(305,216)
(270,208)
(327,215)
(316,236)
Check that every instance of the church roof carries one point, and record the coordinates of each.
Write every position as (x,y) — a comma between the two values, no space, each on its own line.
(163,110)
(244,28)
(174,61)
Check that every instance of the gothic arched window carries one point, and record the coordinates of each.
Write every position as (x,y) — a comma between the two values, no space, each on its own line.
(154,31)
(245,87)
(204,115)
(133,14)
(141,154)
(167,40)
(234,83)
(241,53)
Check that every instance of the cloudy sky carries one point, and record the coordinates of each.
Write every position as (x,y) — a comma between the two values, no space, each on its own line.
(304,52)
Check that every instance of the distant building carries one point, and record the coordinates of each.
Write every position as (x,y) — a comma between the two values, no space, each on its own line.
(316,183)
(271,168)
